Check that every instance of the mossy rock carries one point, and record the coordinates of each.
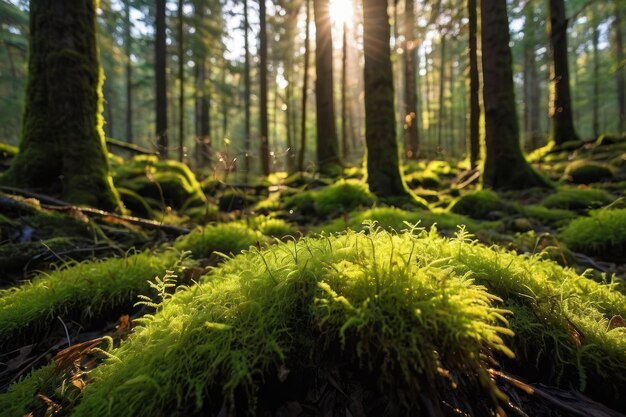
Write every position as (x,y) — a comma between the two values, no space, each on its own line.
(227,238)
(602,234)
(343,196)
(587,172)
(481,204)
(234,200)
(426,179)
(578,199)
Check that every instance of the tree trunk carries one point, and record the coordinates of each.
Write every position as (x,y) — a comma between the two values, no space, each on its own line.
(62,149)
(181,86)
(383,165)
(595,97)
(532,116)
(305,85)
(560,97)
(161,80)
(327,147)
(620,72)
(411,141)
(505,165)
(442,79)
(427,81)
(247,83)
(265,150)
(474,85)
(344,105)
(129,72)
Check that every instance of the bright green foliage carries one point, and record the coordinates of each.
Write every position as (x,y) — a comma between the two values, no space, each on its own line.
(79,291)
(343,196)
(7,151)
(272,227)
(169,183)
(603,234)
(578,199)
(21,397)
(335,199)
(228,238)
(372,296)
(478,204)
(586,172)
(395,218)
(426,179)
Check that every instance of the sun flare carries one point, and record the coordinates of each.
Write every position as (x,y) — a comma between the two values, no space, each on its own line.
(341,11)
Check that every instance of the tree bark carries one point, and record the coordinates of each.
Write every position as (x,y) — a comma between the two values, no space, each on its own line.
(532,117)
(411,140)
(344,100)
(62,149)
(161,80)
(327,146)
(246,77)
(505,166)
(181,84)
(442,80)
(595,97)
(620,72)
(265,150)
(202,98)
(562,129)
(129,72)
(383,165)
(474,85)
(305,85)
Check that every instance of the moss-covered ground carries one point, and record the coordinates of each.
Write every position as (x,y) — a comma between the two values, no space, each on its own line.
(300,295)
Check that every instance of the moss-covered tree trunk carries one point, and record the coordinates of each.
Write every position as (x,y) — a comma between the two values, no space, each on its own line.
(62,150)
(383,165)
(327,143)
(263,117)
(620,72)
(505,165)
(562,129)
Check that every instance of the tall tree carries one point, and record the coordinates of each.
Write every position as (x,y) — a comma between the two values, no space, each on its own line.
(562,128)
(265,150)
(442,85)
(327,147)
(202,95)
(505,165)
(247,83)
(595,96)
(620,71)
(181,82)
(129,72)
(344,99)
(161,79)
(305,86)
(383,165)
(474,85)
(411,141)
(532,118)
(62,149)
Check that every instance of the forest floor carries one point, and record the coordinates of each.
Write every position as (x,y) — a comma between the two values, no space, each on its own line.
(299,295)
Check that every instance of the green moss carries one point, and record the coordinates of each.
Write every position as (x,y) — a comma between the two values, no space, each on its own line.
(21,397)
(343,196)
(7,151)
(603,234)
(578,199)
(135,203)
(303,304)
(272,227)
(392,218)
(479,204)
(78,291)
(228,238)
(546,215)
(586,172)
(426,179)
(606,140)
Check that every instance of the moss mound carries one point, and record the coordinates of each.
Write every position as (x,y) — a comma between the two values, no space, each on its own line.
(79,292)
(480,204)
(338,198)
(168,183)
(272,227)
(426,179)
(234,200)
(227,238)
(578,199)
(603,234)
(402,311)
(586,172)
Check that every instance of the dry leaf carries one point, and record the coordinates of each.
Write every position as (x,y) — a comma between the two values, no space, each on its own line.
(615,322)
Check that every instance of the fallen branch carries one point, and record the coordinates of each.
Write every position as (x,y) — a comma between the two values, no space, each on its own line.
(51,203)
(129,147)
